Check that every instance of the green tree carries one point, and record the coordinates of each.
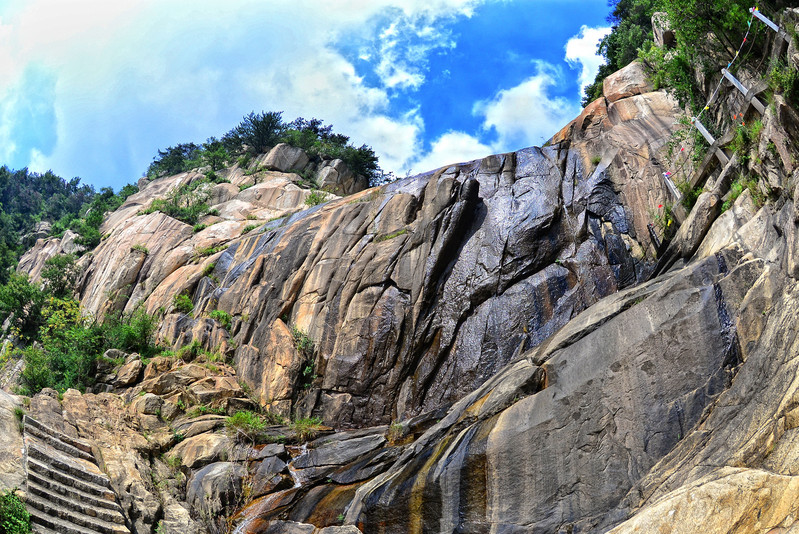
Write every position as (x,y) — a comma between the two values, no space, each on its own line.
(60,274)
(22,302)
(258,131)
(172,160)
(631,27)
(214,153)
(14,517)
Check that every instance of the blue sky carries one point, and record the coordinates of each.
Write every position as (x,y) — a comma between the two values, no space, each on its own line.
(93,88)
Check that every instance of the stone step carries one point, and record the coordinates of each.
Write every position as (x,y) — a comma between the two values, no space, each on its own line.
(41,529)
(57,440)
(76,505)
(72,487)
(67,521)
(75,442)
(50,456)
(46,471)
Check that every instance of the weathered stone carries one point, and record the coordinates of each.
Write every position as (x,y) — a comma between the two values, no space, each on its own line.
(273,371)
(148,404)
(129,374)
(203,449)
(12,470)
(630,361)
(177,520)
(289,527)
(284,158)
(663,32)
(269,476)
(214,490)
(630,81)
(338,450)
(156,367)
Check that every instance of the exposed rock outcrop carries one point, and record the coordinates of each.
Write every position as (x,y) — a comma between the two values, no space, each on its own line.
(497,313)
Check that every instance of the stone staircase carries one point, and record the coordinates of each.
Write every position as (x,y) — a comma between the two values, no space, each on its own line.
(66,491)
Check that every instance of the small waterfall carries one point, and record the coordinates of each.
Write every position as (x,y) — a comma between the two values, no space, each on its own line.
(729,334)
(297,452)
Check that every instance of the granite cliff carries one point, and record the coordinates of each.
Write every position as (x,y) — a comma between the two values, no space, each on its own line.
(502,345)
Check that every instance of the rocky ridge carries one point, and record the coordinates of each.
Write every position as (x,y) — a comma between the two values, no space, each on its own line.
(495,311)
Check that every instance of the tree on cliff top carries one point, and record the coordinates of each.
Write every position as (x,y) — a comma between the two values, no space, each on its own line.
(631,22)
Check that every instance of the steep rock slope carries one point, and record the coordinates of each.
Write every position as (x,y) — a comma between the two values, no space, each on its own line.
(495,298)
(414,293)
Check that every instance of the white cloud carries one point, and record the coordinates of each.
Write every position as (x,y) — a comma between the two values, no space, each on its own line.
(138,75)
(452,147)
(581,52)
(527,114)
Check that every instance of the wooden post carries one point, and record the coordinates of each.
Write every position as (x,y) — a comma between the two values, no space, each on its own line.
(703,131)
(749,97)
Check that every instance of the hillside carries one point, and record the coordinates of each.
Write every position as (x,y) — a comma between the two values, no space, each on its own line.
(548,340)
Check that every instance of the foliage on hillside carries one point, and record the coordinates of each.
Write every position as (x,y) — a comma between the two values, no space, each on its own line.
(631,23)
(631,37)
(255,134)
(27,198)
(61,345)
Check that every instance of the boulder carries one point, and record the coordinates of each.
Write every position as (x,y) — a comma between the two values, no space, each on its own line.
(334,176)
(214,491)
(630,81)
(284,158)
(129,374)
(203,449)
(147,404)
(338,450)
(663,32)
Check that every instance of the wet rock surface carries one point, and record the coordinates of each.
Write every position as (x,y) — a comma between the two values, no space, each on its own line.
(482,344)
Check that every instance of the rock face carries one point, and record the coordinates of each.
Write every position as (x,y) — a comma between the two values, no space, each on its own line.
(416,293)
(12,473)
(407,296)
(501,314)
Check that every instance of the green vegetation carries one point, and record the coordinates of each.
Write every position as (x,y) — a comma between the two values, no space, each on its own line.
(689,195)
(631,36)
(138,247)
(183,303)
(306,428)
(251,427)
(223,317)
(782,78)
(745,137)
(28,198)
(246,425)
(316,197)
(14,517)
(631,22)
(664,220)
(249,228)
(242,187)
(68,342)
(737,188)
(395,434)
(199,227)
(209,251)
(197,411)
(392,235)
(305,347)
(257,133)
(208,269)
(186,203)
